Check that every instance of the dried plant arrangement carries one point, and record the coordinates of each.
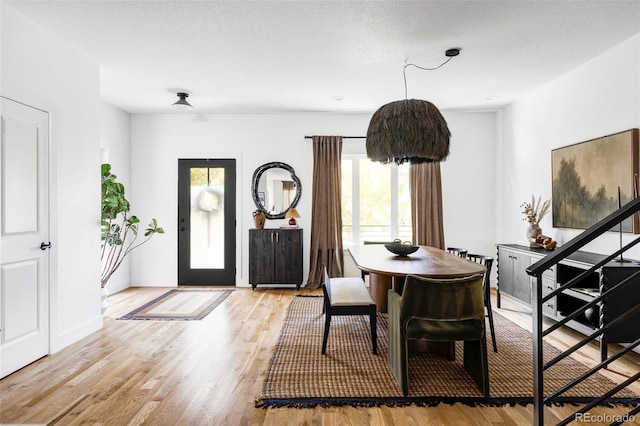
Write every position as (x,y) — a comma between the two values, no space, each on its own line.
(535,211)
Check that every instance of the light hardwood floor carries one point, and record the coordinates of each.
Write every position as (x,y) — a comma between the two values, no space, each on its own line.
(209,372)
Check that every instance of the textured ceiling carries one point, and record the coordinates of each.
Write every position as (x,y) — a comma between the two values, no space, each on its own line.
(284,56)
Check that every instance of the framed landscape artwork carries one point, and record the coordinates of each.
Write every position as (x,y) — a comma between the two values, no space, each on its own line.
(591,179)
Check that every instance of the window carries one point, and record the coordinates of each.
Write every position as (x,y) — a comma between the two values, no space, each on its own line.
(376,204)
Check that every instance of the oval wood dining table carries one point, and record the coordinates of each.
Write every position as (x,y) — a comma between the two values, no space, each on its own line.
(385,268)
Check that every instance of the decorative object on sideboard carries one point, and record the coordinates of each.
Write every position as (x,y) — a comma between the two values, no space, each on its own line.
(540,241)
(292,214)
(533,231)
(545,242)
(534,212)
(410,130)
(258,219)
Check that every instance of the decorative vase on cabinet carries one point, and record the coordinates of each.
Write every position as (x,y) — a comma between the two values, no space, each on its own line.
(275,256)
(258,219)
(533,231)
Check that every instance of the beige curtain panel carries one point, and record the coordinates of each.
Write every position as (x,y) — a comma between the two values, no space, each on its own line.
(426,205)
(326,211)
(288,193)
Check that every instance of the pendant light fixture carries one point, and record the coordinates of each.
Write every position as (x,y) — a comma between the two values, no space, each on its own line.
(410,130)
(181,103)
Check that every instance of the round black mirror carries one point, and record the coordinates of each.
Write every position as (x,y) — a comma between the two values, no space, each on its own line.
(275,189)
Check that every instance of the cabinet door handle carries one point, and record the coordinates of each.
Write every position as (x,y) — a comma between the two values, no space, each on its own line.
(277,237)
(271,237)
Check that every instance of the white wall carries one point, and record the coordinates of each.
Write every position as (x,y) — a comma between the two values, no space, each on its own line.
(599,98)
(158,141)
(40,70)
(115,150)
(469,183)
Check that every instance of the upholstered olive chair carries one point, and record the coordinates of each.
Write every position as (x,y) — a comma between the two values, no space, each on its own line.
(439,310)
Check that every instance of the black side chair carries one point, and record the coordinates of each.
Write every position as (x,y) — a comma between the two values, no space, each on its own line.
(347,296)
(486,288)
(462,252)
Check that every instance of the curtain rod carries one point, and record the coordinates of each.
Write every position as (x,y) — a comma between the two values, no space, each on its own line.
(344,137)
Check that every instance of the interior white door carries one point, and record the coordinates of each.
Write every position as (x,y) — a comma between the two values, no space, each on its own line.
(24,236)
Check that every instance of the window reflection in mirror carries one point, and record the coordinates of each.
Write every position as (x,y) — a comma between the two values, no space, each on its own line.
(275,189)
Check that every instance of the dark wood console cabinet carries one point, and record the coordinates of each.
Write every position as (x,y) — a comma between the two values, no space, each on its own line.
(514,281)
(275,256)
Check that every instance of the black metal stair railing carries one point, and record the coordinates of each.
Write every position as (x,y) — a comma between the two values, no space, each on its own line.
(539,333)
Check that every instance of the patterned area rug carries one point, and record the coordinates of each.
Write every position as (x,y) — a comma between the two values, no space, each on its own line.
(179,305)
(349,374)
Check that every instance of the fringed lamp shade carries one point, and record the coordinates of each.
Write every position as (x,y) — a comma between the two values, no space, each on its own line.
(410,130)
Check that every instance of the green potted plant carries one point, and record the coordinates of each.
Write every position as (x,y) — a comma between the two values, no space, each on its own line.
(119,226)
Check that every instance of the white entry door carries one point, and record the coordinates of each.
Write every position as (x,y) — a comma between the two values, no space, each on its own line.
(24,235)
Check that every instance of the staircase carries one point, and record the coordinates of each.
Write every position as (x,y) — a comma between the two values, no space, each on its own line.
(536,270)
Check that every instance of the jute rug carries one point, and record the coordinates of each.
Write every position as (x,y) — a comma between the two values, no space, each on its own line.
(179,305)
(349,374)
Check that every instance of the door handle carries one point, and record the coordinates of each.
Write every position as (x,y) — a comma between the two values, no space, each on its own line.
(44,246)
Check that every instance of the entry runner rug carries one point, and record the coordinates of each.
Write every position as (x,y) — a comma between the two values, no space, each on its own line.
(349,374)
(179,305)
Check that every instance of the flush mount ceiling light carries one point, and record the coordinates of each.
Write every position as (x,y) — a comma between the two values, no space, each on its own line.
(181,103)
(410,130)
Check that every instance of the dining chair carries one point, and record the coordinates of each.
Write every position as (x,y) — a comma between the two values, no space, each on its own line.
(439,310)
(347,296)
(487,261)
(462,252)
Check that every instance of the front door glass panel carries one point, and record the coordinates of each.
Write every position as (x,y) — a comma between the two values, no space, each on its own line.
(207,218)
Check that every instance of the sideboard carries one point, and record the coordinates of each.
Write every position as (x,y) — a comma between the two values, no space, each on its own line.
(513,280)
(275,256)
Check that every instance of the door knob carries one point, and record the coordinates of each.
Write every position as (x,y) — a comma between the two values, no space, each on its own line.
(44,246)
